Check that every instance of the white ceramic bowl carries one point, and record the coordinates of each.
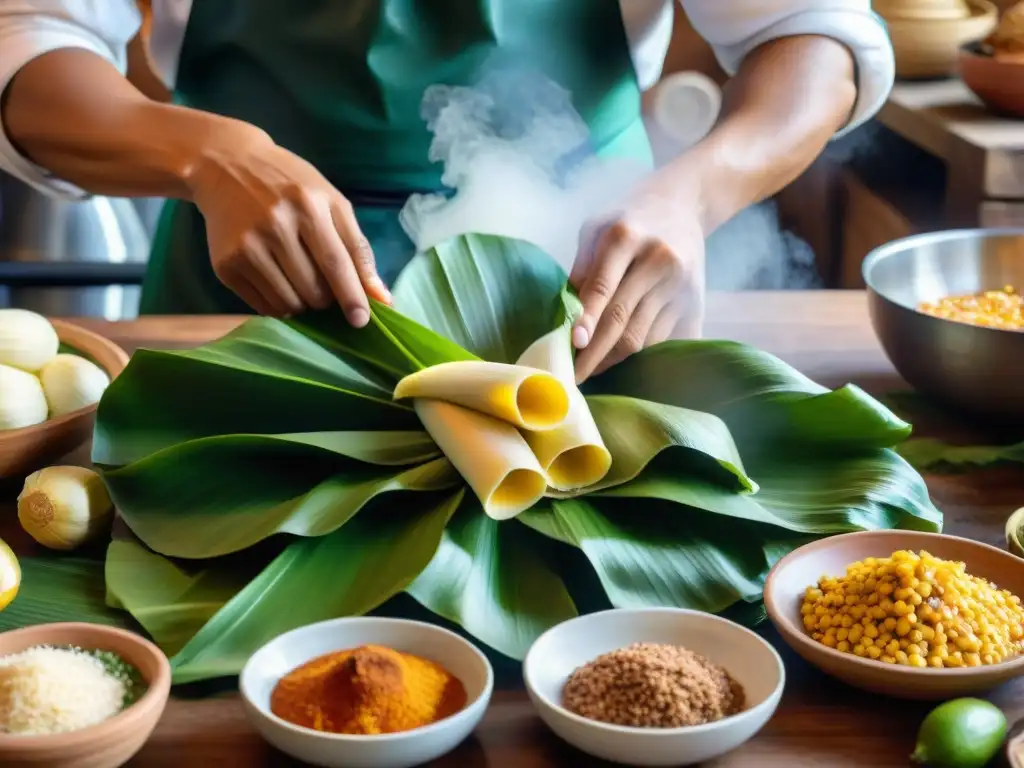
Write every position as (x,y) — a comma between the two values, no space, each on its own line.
(749,659)
(398,750)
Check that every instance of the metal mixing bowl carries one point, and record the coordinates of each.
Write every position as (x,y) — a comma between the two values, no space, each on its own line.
(971,368)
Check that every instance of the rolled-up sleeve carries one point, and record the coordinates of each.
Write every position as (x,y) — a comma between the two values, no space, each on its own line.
(30,28)
(734,28)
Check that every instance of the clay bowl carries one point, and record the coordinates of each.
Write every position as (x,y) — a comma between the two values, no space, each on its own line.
(111,743)
(998,82)
(788,580)
(25,450)
(930,47)
(921,9)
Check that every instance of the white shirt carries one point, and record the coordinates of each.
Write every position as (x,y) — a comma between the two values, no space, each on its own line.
(30,28)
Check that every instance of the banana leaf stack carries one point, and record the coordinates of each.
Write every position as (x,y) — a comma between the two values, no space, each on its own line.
(268,479)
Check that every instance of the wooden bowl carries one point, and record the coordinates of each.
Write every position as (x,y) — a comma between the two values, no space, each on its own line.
(931,47)
(791,576)
(921,9)
(111,743)
(999,82)
(25,450)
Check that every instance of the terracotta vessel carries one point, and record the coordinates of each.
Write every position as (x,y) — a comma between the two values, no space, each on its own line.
(111,743)
(930,47)
(997,81)
(791,576)
(25,450)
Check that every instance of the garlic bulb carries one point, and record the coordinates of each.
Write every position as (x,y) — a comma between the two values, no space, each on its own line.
(64,507)
(10,575)
(27,340)
(22,402)
(71,382)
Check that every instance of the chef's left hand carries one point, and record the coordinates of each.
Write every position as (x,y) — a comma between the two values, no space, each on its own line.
(640,276)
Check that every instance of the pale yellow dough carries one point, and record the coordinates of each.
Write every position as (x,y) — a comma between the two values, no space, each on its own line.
(526,397)
(490,454)
(572,455)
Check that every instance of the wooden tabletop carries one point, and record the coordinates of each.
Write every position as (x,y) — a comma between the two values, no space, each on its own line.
(820,722)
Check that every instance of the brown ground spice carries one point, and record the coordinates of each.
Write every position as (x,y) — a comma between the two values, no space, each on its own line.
(648,685)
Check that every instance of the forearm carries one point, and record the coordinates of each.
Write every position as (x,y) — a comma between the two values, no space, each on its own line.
(73,113)
(780,110)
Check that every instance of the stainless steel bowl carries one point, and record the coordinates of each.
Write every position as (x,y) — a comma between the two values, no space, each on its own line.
(975,369)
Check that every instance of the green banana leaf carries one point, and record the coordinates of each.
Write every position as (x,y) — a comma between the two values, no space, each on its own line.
(268,480)
(374,557)
(494,580)
(59,588)
(931,454)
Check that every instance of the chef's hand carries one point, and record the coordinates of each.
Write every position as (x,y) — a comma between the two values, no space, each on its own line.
(280,235)
(640,276)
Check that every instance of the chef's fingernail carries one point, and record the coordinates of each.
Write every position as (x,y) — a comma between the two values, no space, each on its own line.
(359,317)
(580,337)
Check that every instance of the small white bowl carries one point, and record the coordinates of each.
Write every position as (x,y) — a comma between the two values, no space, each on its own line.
(396,750)
(749,659)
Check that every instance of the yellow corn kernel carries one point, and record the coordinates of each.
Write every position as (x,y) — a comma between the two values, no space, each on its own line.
(916,660)
(913,605)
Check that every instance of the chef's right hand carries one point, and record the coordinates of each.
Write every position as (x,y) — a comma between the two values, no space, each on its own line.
(280,235)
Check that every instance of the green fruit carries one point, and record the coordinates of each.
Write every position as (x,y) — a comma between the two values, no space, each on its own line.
(964,733)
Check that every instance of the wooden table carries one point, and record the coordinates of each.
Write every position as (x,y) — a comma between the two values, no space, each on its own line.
(819,723)
(984,153)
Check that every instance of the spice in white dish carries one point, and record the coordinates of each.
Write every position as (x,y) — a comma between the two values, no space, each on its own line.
(46,690)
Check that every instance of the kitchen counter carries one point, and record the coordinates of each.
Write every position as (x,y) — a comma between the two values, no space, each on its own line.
(820,722)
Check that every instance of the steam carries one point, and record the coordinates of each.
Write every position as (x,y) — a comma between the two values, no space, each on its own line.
(520,162)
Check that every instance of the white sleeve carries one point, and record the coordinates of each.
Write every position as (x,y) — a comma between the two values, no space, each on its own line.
(30,28)
(734,28)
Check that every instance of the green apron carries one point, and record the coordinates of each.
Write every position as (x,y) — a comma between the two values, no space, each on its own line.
(340,83)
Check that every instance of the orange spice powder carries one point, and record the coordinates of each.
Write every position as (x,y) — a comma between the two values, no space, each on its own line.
(367,690)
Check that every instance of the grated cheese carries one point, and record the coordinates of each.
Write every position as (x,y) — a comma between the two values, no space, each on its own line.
(55,690)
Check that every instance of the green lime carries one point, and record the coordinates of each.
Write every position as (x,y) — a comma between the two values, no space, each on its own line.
(963,733)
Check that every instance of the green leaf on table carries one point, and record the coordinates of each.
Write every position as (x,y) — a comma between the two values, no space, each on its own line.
(217,495)
(290,384)
(636,432)
(172,600)
(667,556)
(764,401)
(925,453)
(345,573)
(57,588)
(493,579)
(823,496)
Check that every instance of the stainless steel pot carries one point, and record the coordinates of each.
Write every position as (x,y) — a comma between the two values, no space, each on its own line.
(70,258)
(972,368)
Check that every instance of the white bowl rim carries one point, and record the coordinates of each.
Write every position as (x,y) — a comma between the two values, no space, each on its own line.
(350,738)
(725,722)
(896,670)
